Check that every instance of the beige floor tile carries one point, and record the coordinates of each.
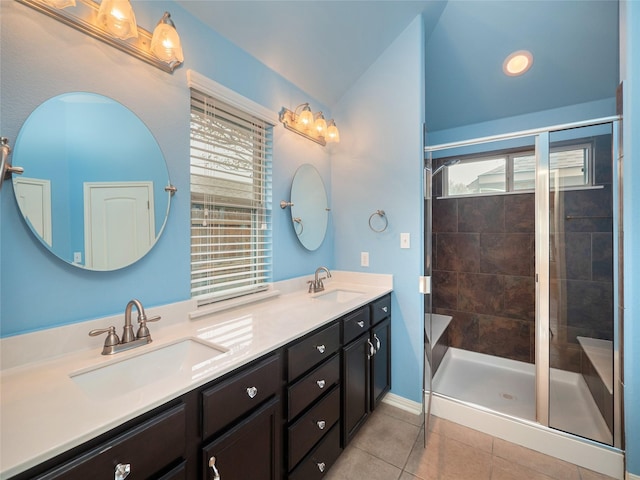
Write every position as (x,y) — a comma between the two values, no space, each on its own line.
(505,470)
(387,438)
(553,467)
(446,458)
(591,475)
(407,476)
(463,434)
(356,464)
(400,414)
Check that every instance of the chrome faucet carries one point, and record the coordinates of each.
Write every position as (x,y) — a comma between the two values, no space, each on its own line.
(316,284)
(113,344)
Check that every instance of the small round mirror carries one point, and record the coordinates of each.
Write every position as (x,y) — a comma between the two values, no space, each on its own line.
(310,209)
(93,188)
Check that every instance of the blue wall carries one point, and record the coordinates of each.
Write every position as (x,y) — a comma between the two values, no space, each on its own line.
(40,291)
(379,167)
(630,74)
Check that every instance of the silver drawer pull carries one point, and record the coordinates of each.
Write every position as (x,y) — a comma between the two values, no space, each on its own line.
(372,349)
(122,471)
(321,348)
(252,391)
(377,341)
(321,424)
(321,383)
(321,466)
(385,309)
(361,324)
(212,464)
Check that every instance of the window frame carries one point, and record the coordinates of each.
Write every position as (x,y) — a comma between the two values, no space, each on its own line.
(509,155)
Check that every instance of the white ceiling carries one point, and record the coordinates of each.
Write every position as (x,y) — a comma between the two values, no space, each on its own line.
(322,46)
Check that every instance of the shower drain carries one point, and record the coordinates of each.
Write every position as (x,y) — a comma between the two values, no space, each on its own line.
(508,396)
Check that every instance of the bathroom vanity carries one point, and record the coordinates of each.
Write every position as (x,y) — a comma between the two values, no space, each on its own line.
(275,403)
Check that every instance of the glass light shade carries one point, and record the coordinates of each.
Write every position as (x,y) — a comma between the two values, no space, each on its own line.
(165,43)
(117,17)
(305,119)
(321,125)
(333,135)
(60,3)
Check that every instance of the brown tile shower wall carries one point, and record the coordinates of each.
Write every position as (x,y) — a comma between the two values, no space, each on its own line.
(484,268)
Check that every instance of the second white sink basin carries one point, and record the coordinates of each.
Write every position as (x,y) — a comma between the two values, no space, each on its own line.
(184,360)
(338,295)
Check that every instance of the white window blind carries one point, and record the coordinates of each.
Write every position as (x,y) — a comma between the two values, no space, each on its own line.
(230,200)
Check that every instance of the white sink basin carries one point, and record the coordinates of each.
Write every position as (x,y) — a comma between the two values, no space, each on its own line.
(338,295)
(184,360)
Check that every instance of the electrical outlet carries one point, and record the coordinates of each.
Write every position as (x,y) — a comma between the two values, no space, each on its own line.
(364,259)
(77,257)
(405,240)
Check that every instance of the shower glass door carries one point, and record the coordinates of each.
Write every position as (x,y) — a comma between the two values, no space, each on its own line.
(581,281)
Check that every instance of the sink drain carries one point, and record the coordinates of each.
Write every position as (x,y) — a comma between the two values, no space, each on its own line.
(508,396)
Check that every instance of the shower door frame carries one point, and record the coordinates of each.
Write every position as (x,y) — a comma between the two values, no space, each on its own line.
(542,280)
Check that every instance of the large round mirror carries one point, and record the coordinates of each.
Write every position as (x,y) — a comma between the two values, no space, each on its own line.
(310,209)
(93,187)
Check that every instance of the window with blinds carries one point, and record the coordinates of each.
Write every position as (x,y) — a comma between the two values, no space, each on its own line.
(230,201)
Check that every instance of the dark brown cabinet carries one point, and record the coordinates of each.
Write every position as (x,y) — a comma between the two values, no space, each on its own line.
(366,364)
(250,449)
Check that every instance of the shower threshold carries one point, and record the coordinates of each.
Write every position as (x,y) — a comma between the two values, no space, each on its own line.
(508,387)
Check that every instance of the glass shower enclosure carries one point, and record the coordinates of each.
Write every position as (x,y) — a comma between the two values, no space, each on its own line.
(521,277)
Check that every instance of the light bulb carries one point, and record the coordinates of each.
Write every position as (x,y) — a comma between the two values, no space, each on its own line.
(321,124)
(165,43)
(117,17)
(517,63)
(305,119)
(333,135)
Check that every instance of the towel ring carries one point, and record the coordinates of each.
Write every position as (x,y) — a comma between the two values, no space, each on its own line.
(382,215)
(298,220)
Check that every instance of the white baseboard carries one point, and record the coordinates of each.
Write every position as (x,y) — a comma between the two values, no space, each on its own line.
(403,403)
(631,476)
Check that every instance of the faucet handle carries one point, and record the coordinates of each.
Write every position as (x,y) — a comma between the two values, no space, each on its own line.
(111,340)
(154,318)
(143,331)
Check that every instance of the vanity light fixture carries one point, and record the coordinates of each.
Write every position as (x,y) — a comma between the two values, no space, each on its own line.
(113,22)
(313,127)
(517,63)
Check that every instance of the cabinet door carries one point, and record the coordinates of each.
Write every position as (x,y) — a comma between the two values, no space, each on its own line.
(250,450)
(356,386)
(381,361)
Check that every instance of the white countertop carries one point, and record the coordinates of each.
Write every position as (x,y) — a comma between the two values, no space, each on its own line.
(43,412)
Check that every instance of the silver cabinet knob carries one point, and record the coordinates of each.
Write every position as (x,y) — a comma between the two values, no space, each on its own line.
(122,471)
(385,309)
(252,391)
(321,424)
(321,348)
(361,324)
(212,465)
(321,383)
(377,341)
(321,466)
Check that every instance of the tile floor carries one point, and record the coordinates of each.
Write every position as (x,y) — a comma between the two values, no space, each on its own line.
(390,447)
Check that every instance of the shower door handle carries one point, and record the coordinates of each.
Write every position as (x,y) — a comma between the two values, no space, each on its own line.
(424,284)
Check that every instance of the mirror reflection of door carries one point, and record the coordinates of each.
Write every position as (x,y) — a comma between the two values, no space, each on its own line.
(34,200)
(119,223)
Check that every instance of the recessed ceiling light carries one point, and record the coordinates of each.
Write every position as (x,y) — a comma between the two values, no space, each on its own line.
(517,63)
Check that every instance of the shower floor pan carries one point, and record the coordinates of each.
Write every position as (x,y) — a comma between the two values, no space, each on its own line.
(508,386)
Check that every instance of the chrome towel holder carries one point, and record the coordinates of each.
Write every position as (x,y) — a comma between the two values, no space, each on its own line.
(383,216)
(5,165)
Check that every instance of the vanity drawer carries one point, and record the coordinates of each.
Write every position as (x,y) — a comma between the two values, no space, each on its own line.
(311,386)
(231,399)
(355,324)
(380,309)
(312,426)
(312,350)
(321,458)
(145,448)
